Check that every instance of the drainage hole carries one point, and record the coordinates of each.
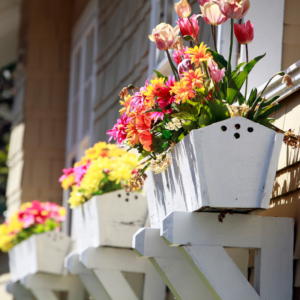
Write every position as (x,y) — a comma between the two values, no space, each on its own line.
(119,195)
(136,197)
(224,128)
(126,199)
(250,129)
(237,135)
(237,126)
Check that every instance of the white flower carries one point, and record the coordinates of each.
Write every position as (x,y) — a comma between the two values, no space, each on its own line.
(160,164)
(175,124)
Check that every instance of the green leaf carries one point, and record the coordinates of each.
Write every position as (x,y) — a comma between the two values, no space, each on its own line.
(269,102)
(252,97)
(144,155)
(184,116)
(166,134)
(181,137)
(193,102)
(159,75)
(189,125)
(269,111)
(219,59)
(259,109)
(131,86)
(188,38)
(204,120)
(237,69)
(241,98)
(219,110)
(252,110)
(236,82)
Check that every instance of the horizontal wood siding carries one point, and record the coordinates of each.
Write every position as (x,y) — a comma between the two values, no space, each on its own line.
(123,57)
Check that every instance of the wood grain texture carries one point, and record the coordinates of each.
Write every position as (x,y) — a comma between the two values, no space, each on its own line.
(208,170)
(171,265)
(219,273)
(110,220)
(87,277)
(43,252)
(182,228)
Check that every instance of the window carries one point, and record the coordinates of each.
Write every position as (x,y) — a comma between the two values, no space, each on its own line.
(81,92)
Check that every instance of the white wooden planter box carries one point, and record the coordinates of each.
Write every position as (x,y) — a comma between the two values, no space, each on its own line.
(110,220)
(43,252)
(213,170)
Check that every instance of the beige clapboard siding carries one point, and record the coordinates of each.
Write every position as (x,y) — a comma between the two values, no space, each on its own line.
(43,79)
(122,57)
(291,38)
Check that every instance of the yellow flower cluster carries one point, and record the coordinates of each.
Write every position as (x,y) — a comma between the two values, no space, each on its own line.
(8,232)
(106,160)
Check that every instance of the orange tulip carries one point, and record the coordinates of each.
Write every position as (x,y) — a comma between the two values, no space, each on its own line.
(164,36)
(183,9)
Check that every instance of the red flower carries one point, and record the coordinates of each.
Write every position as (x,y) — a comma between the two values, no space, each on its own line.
(118,131)
(186,28)
(244,33)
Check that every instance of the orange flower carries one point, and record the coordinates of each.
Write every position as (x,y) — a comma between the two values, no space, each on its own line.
(198,54)
(183,91)
(126,104)
(152,90)
(146,140)
(132,132)
(193,79)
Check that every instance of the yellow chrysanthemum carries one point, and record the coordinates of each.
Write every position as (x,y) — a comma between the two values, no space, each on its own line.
(76,198)
(152,90)
(198,54)
(193,79)
(68,182)
(183,91)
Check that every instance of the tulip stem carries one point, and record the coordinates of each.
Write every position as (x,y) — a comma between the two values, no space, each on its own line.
(247,58)
(213,32)
(193,30)
(172,66)
(230,50)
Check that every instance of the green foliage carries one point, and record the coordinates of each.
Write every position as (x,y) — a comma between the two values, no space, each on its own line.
(188,38)
(219,59)
(236,82)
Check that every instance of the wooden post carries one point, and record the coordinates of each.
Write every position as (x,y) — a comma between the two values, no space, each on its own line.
(88,278)
(43,285)
(202,238)
(108,264)
(18,291)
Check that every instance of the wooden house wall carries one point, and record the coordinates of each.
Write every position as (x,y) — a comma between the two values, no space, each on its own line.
(123,48)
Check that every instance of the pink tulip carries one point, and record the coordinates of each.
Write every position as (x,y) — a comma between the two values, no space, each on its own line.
(244,33)
(212,14)
(164,36)
(184,66)
(186,28)
(215,74)
(183,9)
(234,9)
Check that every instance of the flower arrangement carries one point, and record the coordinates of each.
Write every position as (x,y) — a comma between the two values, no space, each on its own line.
(203,89)
(32,218)
(103,169)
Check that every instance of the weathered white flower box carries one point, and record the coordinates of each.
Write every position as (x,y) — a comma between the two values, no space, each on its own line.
(43,252)
(227,165)
(110,220)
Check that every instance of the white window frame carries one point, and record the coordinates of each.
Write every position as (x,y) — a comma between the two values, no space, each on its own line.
(87,23)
